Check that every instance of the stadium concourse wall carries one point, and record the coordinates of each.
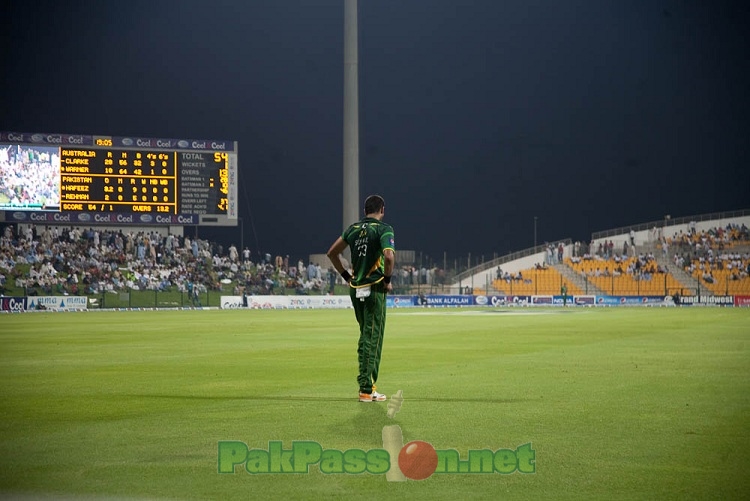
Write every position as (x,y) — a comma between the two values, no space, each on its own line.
(21,304)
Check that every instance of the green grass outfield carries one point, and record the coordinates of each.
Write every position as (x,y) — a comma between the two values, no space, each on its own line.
(618,403)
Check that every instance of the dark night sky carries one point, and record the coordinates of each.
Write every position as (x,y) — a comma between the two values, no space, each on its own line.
(474,116)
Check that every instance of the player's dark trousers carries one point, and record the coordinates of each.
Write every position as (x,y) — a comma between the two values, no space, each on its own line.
(370,315)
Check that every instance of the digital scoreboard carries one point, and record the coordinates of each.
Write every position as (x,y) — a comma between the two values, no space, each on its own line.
(65,178)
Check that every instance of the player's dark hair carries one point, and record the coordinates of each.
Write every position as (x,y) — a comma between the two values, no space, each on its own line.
(373,204)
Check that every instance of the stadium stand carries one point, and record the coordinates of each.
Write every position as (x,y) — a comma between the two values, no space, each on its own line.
(717,238)
(540,280)
(60,260)
(621,275)
(718,257)
(725,275)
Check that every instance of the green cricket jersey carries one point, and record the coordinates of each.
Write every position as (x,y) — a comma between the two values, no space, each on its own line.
(367,240)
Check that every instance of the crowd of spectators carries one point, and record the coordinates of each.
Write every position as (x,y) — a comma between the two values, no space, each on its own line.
(409,276)
(641,267)
(602,252)
(709,251)
(509,277)
(66,260)
(717,239)
(705,251)
(736,265)
(60,260)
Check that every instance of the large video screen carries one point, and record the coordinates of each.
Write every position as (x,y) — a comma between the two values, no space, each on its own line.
(29,177)
(66,178)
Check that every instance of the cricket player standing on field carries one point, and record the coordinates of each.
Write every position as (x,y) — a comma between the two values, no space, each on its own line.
(373,259)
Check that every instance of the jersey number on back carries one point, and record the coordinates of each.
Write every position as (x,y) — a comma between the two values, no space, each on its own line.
(361,242)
